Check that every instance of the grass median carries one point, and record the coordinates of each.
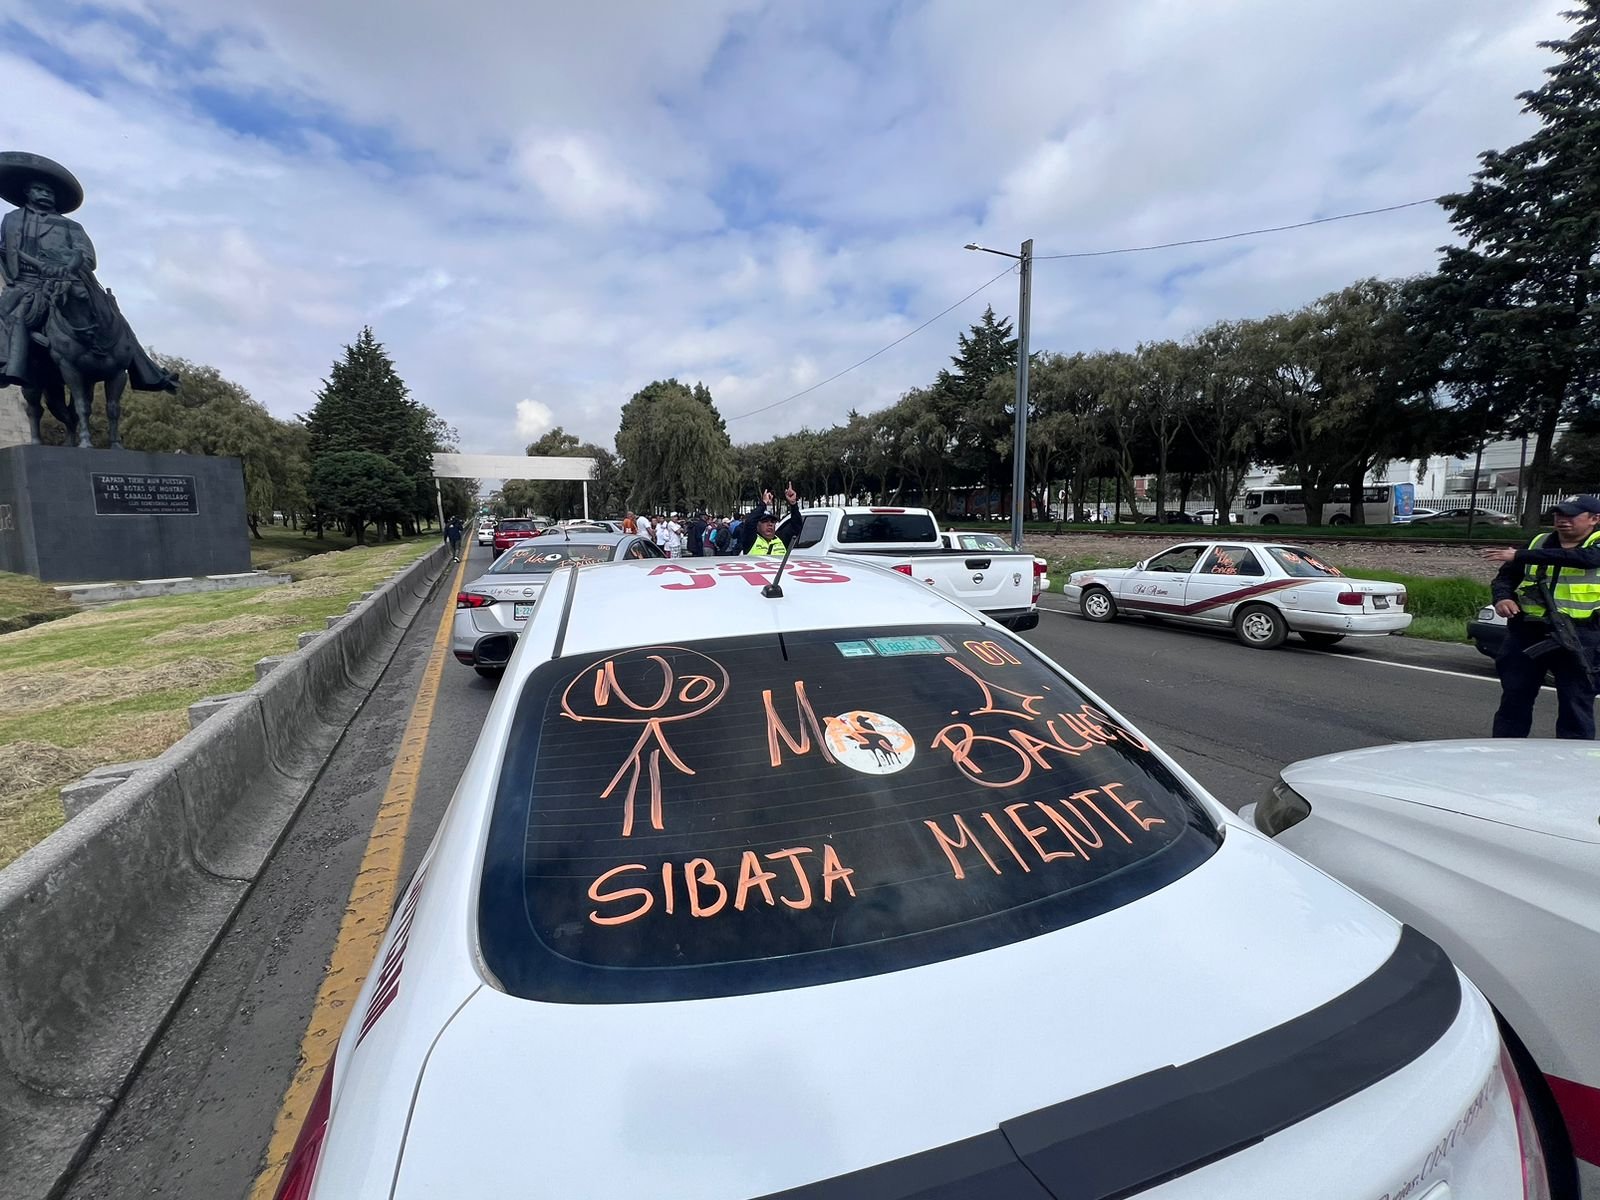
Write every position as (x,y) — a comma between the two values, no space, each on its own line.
(1439,608)
(113,684)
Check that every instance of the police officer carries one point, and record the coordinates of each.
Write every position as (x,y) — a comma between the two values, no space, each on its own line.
(767,543)
(1568,561)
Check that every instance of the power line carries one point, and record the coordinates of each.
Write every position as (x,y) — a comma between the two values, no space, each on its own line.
(875,353)
(1225,237)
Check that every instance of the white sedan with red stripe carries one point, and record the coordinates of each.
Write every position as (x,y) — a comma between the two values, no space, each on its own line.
(1263,591)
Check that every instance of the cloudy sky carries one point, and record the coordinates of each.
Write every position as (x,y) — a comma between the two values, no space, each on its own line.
(541,207)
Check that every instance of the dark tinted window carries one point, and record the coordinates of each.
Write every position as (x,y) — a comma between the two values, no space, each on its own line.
(888,527)
(1180,560)
(768,812)
(811,531)
(1301,563)
(548,553)
(1231,560)
(514,523)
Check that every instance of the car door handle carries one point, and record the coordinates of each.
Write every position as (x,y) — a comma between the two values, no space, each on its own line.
(978,564)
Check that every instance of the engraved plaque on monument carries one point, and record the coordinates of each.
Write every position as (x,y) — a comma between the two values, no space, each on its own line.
(144,495)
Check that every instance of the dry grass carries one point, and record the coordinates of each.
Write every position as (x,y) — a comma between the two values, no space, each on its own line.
(225,628)
(28,766)
(37,691)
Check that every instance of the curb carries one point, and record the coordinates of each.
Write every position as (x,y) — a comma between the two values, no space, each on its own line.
(104,924)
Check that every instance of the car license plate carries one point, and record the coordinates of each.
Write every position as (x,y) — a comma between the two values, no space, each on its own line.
(522,610)
(1380,602)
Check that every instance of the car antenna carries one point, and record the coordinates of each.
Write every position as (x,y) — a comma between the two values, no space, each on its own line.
(774,590)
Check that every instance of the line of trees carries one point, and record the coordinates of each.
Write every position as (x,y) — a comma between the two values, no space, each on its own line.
(360,459)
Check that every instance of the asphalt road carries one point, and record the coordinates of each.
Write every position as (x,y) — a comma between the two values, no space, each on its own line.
(195,1122)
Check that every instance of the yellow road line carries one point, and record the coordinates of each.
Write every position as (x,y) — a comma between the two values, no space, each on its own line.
(366,913)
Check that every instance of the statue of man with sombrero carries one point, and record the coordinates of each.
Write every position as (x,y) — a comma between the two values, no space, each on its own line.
(41,250)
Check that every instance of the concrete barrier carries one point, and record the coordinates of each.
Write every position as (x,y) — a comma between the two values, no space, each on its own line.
(105,922)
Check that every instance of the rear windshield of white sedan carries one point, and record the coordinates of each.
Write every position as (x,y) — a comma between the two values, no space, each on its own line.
(754,813)
(1302,564)
(547,554)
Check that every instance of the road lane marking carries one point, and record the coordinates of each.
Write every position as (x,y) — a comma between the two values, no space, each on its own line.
(1383,662)
(366,913)
(1376,662)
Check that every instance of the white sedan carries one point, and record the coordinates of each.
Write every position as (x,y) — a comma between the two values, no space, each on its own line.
(839,889)
(1491,848)
(1263,591)
(485,531)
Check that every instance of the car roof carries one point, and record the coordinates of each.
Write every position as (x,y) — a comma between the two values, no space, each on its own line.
(636,603)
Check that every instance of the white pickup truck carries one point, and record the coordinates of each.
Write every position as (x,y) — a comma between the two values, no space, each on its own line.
(1001,584)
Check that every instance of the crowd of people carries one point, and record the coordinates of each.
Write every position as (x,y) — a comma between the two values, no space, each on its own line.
(707,535)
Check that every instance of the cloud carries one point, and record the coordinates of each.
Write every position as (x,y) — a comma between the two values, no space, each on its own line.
(534,419)
(567,202)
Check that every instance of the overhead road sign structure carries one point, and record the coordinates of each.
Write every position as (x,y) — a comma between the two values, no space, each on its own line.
(510,466)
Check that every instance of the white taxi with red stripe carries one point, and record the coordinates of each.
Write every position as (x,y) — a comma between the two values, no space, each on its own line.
(1263,591)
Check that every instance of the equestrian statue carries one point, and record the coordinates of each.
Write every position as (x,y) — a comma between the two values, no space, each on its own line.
(60,331)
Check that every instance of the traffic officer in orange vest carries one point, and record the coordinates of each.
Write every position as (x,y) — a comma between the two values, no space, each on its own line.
(1568,563)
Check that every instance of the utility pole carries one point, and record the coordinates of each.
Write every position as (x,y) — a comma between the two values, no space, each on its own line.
(1019,449)
(1019,446)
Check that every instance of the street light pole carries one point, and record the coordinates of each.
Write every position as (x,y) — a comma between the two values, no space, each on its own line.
(1019,446)
(1019,449)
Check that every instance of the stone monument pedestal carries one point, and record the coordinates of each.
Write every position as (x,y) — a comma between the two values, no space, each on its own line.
(69,515)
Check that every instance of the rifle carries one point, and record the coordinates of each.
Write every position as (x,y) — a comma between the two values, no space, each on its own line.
(1563,634)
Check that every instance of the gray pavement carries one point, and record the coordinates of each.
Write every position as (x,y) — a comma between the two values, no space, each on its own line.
(195,1120)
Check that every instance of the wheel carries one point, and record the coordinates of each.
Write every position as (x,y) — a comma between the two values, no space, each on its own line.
(1560,1164)
(1260,627)
(493,673)
(1269,519)
(1322,639)
(1338,519)
(1098,605)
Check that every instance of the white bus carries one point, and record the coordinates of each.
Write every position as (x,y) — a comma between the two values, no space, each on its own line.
(1381,504)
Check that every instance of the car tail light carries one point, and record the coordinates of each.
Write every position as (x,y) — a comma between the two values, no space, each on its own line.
(473,600)
(904,568)
(301,1170)
(1353,599)
(1038,579)
(1535,1172)
(1400,600)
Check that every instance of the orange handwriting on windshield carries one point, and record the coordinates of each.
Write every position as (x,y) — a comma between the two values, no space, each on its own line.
(643,688)
(805,717)
(1028,709)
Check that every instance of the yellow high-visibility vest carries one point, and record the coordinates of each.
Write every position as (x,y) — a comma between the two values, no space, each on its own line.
(771,547)
(1576,593)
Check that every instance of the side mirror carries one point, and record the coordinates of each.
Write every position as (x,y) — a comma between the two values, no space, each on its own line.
(1139,566)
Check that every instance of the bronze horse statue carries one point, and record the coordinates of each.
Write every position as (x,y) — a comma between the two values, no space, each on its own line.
(85,342)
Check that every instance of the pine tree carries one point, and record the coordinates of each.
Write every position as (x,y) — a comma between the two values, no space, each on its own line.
(364,405)
(1531,223)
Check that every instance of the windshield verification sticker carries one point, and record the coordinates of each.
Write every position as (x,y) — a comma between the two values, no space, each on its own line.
(889,647)
(855,649)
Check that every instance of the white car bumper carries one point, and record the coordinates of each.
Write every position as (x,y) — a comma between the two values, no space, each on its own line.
(1353,625)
